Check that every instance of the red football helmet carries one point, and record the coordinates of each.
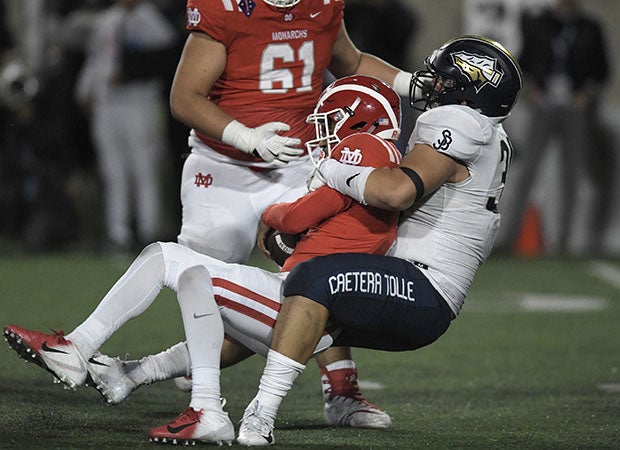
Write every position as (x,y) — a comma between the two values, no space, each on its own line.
(354,104)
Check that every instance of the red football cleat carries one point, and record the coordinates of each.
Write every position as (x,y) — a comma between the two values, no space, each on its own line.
(345,405)
(50,351)
(193,426)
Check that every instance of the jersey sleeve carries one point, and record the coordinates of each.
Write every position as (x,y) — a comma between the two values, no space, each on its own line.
(308,211)
(208,16)
(451,130)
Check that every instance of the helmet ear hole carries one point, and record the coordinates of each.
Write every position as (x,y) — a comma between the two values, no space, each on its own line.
(359,126)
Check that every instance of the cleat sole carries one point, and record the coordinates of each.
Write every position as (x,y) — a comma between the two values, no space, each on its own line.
(28,354)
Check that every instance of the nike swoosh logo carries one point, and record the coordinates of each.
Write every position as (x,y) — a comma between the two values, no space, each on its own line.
(313,15)
(45,348)
(92,360)
(269,438)
(181,427)
(198,316)
(348,180)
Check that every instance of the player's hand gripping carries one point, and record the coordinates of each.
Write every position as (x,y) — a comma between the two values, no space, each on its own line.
(261,235)
(263,141)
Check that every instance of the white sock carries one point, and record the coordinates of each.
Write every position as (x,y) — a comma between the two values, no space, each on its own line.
(342,364)
(171,363)
(278,377)
(204,331)
(130,296)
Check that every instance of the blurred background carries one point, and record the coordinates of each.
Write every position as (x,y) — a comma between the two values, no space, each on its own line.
(562,197)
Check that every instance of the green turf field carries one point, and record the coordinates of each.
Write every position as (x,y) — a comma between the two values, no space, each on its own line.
(533,362)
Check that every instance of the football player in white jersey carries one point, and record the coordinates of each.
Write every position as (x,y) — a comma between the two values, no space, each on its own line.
(447,187)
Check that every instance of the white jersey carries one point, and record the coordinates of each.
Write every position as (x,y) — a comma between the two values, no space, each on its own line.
(451,232)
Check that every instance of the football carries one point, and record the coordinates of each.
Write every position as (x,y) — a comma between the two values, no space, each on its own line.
(280,245)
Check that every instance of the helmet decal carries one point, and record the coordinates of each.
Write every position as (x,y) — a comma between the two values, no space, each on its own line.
(481,70)
(352,157)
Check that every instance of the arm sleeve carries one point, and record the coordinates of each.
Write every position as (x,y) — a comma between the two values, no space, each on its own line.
(451,130)
(306,212)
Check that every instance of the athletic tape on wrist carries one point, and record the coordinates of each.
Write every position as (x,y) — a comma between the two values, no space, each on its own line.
(237,135)
(401,83)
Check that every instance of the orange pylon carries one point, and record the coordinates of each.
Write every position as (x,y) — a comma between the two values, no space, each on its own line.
(530,241)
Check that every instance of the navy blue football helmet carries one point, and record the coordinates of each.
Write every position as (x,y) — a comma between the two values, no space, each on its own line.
(471,69)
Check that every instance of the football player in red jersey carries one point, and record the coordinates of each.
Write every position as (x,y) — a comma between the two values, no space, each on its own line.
(447,188)
(219,298)
(248,77)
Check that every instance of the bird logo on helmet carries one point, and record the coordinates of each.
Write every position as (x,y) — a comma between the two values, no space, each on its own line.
(468,70)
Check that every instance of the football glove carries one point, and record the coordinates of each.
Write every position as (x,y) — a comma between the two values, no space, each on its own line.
(263,141)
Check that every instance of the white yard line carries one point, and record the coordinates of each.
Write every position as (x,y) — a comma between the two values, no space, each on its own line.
(610,388)
(370,385)
(606,272)
(561,303)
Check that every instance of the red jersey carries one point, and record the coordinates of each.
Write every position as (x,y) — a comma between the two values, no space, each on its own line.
(335,222)
(276,59)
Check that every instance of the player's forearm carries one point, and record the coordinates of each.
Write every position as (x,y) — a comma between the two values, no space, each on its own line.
(376,67)
(383,188)
(389,189)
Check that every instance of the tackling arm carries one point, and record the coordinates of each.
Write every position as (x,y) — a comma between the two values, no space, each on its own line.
(348,60)
(394,188)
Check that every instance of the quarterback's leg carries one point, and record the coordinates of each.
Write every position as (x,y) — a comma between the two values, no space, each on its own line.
(66,357)
(204,420)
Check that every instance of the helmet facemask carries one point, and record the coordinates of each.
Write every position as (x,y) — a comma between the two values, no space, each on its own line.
(282,3)
(422,90)
(326,127)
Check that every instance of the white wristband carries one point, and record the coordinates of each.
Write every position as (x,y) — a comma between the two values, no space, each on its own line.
(350,180)
(401,83)
(237,135)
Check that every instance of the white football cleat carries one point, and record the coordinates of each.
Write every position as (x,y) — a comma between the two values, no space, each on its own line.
(111,377)
(192,426)
(52,352)
(254,430)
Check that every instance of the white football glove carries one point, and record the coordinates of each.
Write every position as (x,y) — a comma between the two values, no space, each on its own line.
(263,141)
(316,180)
